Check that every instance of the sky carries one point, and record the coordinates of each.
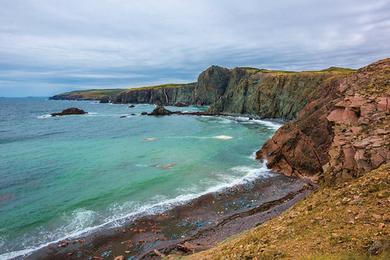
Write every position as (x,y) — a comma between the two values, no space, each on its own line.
(50,46)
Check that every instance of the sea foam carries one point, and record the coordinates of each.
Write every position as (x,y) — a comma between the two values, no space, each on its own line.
(80,221)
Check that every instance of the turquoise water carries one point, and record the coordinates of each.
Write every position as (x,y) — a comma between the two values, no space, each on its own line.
(63,176)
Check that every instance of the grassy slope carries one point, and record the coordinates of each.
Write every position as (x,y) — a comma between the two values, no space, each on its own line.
(337,70)
(93,93)
(342,222)
(99,93)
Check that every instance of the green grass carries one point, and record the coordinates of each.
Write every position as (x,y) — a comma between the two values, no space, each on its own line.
(100,93)
(170,85)
(338,70)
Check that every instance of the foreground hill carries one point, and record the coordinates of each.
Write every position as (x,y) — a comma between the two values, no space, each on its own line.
(347,221)
(341,139)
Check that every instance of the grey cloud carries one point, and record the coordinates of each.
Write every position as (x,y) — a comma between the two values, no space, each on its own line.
(62,45)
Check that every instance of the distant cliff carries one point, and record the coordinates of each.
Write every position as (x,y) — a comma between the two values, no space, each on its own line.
(270,94)
(265,93)
(163,94)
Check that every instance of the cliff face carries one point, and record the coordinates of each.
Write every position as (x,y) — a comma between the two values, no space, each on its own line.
(341,134)
(164,95)
(269,94)
(211,85)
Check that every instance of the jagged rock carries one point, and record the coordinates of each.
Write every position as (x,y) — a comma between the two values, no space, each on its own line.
(343,131)
(105,99)
(384,104)
(160,111)
(181,104)
(211,85)
(70,111)
(375,248)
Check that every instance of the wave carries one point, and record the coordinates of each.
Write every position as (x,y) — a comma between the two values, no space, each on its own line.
(223,137)
(247,120)
(81,222)
(44,116)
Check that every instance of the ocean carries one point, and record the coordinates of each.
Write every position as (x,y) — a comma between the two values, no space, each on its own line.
(61,177)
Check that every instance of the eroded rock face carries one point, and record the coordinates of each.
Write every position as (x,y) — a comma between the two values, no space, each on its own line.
(163,96)
(340,135)
(269,95)
(211,85)
(105,100)
(70,111)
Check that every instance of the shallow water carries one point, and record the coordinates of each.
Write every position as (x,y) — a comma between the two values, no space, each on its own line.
(62,176)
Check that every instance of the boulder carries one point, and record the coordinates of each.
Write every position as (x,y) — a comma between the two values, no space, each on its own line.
(160,111)
(181,104)
(131,106)
(70,111)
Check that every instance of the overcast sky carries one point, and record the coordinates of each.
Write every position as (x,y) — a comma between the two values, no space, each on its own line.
(49,46)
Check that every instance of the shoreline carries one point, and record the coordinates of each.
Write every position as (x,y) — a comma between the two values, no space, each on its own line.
(187,228)
(105,229)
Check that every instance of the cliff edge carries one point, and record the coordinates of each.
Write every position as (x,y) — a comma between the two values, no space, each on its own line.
(339,135)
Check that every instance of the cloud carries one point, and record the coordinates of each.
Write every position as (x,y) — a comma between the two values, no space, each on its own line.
(50,46)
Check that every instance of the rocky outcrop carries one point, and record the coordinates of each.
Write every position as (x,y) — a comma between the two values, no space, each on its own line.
(270,94)
(160,111)
(341,134)
(70,111)
(105,100)
(211,85)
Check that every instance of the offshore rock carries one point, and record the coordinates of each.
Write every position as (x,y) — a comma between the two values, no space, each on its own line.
(70,111)
(160,111)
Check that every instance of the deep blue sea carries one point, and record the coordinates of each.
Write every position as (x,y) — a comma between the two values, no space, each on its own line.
(63,176)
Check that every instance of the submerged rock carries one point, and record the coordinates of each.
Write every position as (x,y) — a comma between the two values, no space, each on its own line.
(160,111)
(70,111)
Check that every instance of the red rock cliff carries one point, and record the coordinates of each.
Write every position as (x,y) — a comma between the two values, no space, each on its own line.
(340,135)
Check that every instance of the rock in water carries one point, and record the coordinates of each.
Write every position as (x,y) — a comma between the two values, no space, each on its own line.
(181,104)
(131,106)
(160,111)
(70,111)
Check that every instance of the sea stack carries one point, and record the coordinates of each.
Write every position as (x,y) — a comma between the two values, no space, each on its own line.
(160,111)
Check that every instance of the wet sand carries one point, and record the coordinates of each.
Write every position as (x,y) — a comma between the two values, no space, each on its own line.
(188,228)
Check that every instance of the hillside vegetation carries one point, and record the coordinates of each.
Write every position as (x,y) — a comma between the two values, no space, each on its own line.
(348,221)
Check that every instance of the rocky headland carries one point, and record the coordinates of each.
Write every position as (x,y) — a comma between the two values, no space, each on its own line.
(337,135)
